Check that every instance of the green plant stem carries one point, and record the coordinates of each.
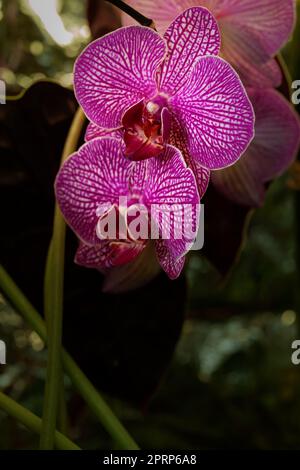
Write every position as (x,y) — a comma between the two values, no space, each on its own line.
(22,304)
(62,415)
(54,327)
(100,408)
(54,275)
(33,422)
(54,303)
(62,409)
(91,396)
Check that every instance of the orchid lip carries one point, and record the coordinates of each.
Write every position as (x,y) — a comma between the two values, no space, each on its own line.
(146,128)
(122,252)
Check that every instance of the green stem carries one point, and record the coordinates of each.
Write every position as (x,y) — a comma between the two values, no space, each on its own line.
(62,416)
(62,409)
(54,326)
(21,303)
(96,403)
(54,291)
(79,380)
(33,422)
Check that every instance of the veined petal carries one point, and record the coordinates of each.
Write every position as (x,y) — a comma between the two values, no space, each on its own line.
(94,256)
(95,175)
(178,140)
(192,35)
(245,50)
(93,131)
(162,12)
(171,194)
(215,114)
(169,180)
(138,176)
(252,31)
(143,269)
(170,265)
(116,71)
(271,21)
(276,142)
(267,75)
(277,131)
(108,254)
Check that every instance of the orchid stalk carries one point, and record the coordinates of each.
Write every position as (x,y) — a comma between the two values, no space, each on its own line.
(54,304)
(85,388)
(33,422)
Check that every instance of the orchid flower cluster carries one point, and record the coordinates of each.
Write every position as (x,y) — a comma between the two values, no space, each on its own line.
(168,112)
(253,33)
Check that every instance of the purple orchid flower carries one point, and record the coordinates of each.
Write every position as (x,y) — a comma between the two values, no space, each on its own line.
(273,150)
(174,89)
(90,184)
(253,31)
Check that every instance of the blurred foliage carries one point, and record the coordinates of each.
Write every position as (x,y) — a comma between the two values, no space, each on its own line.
(27,50)
(231,383)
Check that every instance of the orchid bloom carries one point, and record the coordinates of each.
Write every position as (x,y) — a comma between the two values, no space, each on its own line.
(153,91)
(253,31)
(90,184)
(273,149)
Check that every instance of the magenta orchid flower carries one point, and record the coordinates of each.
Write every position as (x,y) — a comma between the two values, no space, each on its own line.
(92,181)
(174,89)
(253,31)
(273,150)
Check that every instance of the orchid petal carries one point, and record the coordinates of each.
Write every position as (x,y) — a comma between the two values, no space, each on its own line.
(272,151)
(171,266)
(93,131)
(192,35)
(97,174)
(143,269)
(171,193)
(215,114)
(138,176)
(94,256)
(107,254)
(160,11)
(270,21)
(116,71)
(178,140)
(252,31)
(267,75)
(247,54)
